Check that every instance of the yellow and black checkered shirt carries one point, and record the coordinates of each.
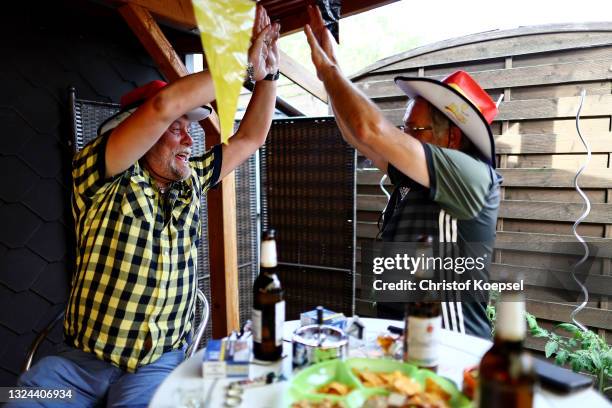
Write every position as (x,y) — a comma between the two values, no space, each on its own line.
(133,292)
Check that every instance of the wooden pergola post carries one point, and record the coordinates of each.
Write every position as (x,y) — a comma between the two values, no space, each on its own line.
(221,201)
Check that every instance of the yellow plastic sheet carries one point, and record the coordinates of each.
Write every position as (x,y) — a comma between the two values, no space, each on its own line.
(225,27)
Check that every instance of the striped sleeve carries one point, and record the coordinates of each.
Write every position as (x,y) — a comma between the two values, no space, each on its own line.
(89,168)
(208,167)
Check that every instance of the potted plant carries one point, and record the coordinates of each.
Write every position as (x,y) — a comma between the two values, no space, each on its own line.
(583,351)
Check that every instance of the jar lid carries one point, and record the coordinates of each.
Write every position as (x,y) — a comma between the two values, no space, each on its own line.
(320,336)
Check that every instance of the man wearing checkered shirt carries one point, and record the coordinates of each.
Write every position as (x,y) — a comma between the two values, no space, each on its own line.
(136,198)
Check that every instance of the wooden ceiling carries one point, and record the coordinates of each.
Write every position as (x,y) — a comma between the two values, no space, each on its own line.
(290,13)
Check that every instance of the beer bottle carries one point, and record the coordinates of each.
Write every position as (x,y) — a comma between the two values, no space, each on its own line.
(268,304)
(423,325)
(507,378)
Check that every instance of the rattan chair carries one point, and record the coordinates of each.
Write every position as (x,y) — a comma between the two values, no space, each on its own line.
(86,117)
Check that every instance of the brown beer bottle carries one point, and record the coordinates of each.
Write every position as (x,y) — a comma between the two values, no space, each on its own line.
(423,325)
(507,378)
(268,304)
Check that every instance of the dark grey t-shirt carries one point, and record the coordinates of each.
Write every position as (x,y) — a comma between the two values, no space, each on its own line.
(461,206)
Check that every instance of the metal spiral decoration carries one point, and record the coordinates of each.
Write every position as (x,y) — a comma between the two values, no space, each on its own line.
(587,209)
(381,183)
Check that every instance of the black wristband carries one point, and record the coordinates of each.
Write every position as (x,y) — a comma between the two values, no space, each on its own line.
(273,77)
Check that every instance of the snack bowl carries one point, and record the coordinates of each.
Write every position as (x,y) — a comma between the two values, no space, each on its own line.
(306,384)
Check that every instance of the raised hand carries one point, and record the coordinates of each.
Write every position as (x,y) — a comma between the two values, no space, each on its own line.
(263,53)
(321,42)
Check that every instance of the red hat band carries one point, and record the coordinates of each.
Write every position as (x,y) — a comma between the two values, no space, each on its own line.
(465,85)
(142,93)
(136,97)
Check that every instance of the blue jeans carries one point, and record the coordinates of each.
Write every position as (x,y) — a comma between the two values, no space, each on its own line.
(94,382)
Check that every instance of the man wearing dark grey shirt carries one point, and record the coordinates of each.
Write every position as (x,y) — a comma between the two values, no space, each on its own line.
(442,164)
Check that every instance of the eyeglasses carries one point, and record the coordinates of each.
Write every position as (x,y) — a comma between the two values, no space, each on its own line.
(415,128)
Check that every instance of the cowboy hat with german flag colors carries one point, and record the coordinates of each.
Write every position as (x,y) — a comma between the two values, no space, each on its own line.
(463,101)
(136,97)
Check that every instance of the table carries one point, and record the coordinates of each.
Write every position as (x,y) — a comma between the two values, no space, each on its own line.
(184,386)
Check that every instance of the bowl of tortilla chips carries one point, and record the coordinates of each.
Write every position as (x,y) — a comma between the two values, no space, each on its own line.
(372,383)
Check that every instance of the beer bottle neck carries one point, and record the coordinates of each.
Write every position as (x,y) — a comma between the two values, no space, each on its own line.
(268,254)
(267,271)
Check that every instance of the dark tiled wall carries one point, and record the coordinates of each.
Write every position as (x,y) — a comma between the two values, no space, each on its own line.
(44,50)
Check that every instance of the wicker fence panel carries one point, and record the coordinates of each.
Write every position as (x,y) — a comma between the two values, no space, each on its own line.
(308,196)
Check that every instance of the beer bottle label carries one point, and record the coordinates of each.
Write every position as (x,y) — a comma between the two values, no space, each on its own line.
(256,328)
(424,340)
(279,320)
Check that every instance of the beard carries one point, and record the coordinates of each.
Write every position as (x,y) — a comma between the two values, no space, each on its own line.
(178,172)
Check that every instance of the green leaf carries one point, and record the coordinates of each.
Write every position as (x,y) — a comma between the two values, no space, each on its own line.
(550,348)
(532,323)
(562,356)
(596,359)
(568,327)
(576,366)
(539,332)
(585,361)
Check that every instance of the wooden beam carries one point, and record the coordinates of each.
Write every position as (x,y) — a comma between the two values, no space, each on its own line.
(153,39)
(295,21)
(222,201)
(303,78)
(222,248)
(159,48)
(177,13)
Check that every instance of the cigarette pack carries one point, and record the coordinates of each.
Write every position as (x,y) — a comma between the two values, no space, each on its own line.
(226,358)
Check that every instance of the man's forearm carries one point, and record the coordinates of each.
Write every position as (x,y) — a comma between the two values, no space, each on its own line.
(258,116)
(187,93)
(355,115)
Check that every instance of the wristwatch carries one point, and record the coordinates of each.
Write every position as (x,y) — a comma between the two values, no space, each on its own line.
(273,77)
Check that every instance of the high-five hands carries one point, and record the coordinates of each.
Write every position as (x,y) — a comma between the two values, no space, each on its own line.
(321,42)
(264,53)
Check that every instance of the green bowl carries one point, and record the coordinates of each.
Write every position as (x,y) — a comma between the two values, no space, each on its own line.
(304,385)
